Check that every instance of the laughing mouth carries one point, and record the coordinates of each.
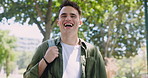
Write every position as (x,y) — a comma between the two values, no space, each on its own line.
(68,25)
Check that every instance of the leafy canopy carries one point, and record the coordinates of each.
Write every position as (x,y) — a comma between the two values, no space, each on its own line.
(115,26)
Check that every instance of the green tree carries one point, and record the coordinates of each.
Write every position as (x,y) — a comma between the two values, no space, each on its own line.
(116,26)
(41,12)
(120,31)
(7,43)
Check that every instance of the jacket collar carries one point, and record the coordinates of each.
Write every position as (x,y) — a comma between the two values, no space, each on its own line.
(82,43)
(57,40)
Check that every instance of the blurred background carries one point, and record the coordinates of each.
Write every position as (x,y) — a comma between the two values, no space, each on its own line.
(116,27)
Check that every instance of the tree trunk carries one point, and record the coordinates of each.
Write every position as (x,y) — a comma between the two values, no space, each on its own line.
(48,21)
(48,32)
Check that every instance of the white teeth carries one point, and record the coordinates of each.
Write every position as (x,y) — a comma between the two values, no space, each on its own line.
(68,25)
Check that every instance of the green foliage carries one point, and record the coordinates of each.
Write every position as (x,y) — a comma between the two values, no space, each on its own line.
(115,26)
(7,43)
(120,31)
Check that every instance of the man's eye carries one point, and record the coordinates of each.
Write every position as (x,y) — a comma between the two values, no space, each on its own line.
(73,16)
(63,16)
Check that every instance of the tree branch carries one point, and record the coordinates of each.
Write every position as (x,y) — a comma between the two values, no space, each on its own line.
(54,20)
(39,12)
(39,26)
(49,12)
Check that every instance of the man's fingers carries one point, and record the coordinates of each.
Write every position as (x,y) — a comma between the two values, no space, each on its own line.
(52,53)
(57,50)
(53,48)
(56,54)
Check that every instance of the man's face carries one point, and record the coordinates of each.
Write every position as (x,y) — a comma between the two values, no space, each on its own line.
(69,20)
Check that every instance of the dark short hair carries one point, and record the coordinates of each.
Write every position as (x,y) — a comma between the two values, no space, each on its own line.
(72,4)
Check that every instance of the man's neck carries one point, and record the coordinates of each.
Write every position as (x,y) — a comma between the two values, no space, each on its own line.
(70,40)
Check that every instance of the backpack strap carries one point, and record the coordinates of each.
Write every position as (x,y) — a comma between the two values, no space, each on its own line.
(47,69)
(51,43)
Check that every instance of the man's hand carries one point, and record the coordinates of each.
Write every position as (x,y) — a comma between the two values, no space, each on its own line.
(51,54)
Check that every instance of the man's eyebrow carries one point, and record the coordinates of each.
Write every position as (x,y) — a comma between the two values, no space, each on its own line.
(63,14)
(72,14)
(66,14)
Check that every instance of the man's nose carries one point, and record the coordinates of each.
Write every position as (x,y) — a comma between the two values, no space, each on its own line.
(68,18)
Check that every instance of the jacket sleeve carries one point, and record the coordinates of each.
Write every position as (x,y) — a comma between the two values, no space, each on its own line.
(31,72)
(100,65)
(32,69)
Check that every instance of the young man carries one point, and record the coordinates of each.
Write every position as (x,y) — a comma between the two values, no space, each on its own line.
(67,56)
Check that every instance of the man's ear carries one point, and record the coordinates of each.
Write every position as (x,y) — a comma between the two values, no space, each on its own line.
(81,22)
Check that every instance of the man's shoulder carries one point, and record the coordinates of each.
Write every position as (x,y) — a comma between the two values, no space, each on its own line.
(90,45)
(91,50)
(43,44)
